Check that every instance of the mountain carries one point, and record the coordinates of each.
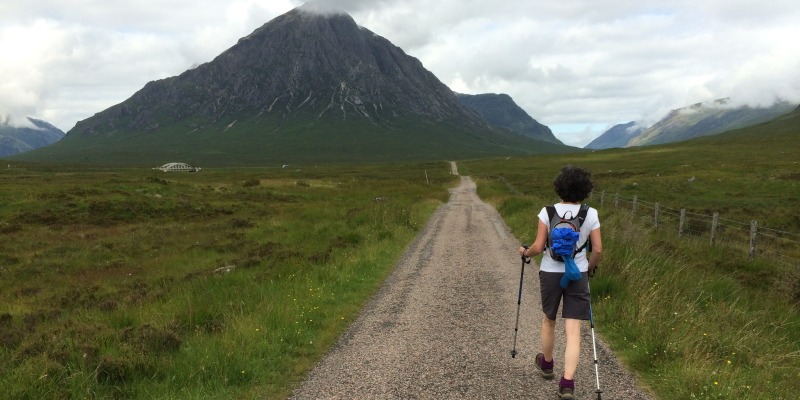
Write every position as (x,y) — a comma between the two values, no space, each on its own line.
(618,136)
(705,119)
(781,136)
(502,111)
(14,140)
(307,86)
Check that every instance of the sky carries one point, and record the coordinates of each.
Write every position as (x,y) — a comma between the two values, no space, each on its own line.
(577,66)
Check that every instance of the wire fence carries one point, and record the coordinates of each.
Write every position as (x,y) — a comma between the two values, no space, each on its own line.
(757,241)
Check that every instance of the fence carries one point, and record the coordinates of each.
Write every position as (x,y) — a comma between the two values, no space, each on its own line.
(759,241)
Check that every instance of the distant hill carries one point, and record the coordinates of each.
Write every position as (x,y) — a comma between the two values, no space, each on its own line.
(705,119)
(306,86)
(780,135)
(14,140)
(501,110)
(618,136)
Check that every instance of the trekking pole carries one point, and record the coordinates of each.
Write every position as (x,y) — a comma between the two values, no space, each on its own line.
(525,260)
(594,346)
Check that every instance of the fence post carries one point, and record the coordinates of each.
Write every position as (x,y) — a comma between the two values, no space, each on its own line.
(680,224)
(655,218)
(616,200)
(602,197)
(634,206)
(753,231)
(714,225)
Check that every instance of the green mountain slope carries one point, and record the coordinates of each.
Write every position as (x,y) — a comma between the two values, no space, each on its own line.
(322,141)
(744,174)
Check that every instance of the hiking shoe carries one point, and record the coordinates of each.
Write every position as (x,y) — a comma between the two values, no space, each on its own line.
(566,393)
(547,373)
(566,389)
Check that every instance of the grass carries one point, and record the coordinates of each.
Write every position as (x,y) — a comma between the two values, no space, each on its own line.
(707,326)
(690,320)
(270,140)
(693,321)
(231,283)
(227,283)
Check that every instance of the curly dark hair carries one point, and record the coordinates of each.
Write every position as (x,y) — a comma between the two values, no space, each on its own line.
(573,184)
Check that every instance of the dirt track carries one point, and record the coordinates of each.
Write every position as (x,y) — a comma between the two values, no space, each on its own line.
(442,325)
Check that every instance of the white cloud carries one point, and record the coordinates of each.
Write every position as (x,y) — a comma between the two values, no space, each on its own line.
(78,58)
(578,66)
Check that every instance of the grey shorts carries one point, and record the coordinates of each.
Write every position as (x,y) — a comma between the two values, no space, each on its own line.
(575,296)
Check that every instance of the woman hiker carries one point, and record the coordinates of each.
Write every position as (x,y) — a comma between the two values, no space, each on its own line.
(573,186)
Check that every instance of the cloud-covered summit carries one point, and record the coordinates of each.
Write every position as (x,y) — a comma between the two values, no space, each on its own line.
(323,8)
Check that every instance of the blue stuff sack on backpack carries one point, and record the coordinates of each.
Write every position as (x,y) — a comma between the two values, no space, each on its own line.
(564,242)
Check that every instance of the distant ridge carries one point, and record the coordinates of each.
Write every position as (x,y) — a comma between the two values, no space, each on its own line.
(618,136)
(501,110)
(305,86)
(15,140)
(703,119)
(697,120)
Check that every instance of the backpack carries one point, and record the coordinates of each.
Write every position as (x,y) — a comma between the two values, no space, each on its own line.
(562,222)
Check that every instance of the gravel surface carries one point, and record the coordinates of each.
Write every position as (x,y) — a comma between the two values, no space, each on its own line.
(442,325)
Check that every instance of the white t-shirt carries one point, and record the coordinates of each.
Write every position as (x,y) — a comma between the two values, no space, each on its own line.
(591,223)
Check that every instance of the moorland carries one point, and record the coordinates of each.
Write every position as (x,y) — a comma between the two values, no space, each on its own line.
(231,282)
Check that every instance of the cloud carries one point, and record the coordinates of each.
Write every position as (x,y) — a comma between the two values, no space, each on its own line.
(570,65)
(342,6)
(604,63)
(79,60)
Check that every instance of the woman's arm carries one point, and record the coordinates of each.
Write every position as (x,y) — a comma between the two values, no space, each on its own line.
(597,249)
(537,247)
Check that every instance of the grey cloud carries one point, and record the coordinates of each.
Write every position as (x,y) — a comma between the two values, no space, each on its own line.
(348,6)
(566,63)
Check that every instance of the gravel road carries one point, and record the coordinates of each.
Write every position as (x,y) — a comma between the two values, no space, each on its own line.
(442,325)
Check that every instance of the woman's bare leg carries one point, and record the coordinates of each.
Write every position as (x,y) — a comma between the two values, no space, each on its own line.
(548,337)
(572,329)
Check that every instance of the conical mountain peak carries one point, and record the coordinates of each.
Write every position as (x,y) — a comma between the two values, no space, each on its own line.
(310,16)
(301,65)
(308,70)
